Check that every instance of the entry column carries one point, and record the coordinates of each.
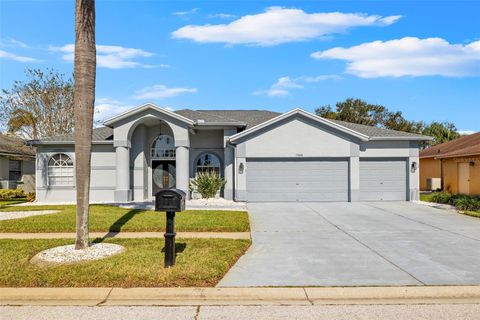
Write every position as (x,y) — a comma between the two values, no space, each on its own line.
(123,193)
(182,168)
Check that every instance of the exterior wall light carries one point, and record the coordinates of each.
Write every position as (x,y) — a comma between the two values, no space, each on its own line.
(413,167)
(241,167)
(472,163)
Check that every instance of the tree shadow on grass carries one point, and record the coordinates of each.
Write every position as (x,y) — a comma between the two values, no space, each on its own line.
(116,227)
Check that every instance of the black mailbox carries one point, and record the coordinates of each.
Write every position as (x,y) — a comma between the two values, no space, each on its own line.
(170,200)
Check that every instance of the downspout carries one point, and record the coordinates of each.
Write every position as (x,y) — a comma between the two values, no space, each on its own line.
(441,174)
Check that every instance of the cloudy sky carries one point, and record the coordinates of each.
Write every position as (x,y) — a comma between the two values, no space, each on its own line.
(419,57)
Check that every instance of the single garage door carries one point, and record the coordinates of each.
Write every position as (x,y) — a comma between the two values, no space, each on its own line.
(383,179)
(297,180)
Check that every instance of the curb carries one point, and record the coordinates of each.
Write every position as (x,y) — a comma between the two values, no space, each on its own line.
(124,235)
(238,296)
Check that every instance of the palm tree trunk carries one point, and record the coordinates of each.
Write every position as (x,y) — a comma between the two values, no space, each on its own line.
(84,99)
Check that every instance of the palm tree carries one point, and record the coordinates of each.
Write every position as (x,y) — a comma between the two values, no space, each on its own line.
(84,99)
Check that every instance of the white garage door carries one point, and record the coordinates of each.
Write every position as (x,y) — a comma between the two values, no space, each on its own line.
(297,180)
(383,179)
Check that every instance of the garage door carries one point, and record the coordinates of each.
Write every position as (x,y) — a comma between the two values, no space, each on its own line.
(294,180)
(383,179)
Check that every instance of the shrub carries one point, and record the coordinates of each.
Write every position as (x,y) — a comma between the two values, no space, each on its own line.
(466,203)
(442,197)
(207,184)
(10,194)
(31,196)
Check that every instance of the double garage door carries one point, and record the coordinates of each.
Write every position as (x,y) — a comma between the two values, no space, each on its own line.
(315,180)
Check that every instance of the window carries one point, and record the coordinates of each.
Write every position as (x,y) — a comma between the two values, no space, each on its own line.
(163,147)
(60,170)
(15,170)
(208,162)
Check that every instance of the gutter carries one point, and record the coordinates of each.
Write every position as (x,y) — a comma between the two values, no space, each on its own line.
(39,142)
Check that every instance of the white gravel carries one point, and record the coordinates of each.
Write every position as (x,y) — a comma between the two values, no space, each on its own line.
(68,254)
(215,204)
(23,214)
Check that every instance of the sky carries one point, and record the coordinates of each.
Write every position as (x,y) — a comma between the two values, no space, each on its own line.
(418,57)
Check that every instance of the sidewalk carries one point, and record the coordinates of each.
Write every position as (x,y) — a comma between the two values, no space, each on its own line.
(62,235)
(238,296)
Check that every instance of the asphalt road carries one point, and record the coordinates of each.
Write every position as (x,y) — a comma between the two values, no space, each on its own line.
(357,312)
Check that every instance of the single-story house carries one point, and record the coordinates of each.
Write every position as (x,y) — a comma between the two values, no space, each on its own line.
(456,164)
(263,156)
(17,164)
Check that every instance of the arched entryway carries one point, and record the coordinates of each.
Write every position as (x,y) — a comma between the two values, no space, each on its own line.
(163,165)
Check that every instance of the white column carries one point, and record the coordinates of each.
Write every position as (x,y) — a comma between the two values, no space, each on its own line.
(123,192)
(228,155)
(354,179)
(182,168)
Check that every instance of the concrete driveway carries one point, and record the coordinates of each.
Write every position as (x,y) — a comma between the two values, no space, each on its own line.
(358,244)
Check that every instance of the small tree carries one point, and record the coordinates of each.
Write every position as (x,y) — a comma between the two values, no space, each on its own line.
(39,107)
(441,132)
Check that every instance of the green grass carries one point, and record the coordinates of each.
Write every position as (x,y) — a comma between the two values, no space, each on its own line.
(426,197)
(105,218)
(200,263)
(4,203)
(475,214)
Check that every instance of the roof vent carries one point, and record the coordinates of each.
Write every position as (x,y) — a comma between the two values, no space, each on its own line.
(200,121)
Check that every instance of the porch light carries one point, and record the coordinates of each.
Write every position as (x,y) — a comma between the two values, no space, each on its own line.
(241,167)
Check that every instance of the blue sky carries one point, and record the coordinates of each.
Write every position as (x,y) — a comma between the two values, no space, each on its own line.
(422,58)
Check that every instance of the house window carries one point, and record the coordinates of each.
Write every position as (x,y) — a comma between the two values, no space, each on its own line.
(60,170)
(15,170)
(208,162)
(163,147)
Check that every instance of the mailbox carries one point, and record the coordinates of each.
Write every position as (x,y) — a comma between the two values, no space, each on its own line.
(170,200)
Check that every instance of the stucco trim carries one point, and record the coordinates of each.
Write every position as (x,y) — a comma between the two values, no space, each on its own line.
(146,106)
(292,113)
(419,138)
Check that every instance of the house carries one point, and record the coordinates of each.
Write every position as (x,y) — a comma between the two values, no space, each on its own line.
(456,163)
(17,164)
(263,155)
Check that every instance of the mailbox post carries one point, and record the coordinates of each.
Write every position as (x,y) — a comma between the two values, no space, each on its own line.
(170,201)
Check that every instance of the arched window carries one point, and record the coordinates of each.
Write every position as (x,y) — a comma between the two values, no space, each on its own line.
(207,162)
(60,170)
(163,147)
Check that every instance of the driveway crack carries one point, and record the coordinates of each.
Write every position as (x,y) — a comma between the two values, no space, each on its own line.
(363,244)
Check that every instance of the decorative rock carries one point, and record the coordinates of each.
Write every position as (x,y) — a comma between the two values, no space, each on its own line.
(67,254)
(5,215)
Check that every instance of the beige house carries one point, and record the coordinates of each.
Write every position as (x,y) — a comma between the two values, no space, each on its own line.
(456,165)
(17,164)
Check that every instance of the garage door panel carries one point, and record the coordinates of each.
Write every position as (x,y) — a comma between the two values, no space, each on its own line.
(383,179)
(297,180)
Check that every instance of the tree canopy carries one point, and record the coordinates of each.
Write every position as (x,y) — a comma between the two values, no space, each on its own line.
(362,112)
(40,106)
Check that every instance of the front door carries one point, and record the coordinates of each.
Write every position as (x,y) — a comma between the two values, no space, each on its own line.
(163,175)
(464,178)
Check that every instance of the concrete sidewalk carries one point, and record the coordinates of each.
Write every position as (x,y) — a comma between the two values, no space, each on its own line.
(62,235)
(238,296)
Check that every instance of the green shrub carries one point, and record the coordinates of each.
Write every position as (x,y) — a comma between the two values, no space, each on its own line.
(207,184)
(10,194)
(442,197)
(31,196)
(466,203)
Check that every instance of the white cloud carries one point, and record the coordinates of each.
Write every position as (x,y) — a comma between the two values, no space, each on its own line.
(408,56)
(222,16)
(111,57)
(466,132)
(280,25)
(10,42)
(106,108)
(11,56)
(185,13)
(160,91)
(283,86)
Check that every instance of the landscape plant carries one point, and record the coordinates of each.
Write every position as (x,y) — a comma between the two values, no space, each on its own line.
(207,183)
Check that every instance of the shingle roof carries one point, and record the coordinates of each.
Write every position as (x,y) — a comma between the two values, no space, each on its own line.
(15,146)
(463,146)
(98,134)
(375,132)
(249,118)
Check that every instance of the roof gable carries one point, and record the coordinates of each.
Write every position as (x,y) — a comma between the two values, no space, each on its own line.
(110,122)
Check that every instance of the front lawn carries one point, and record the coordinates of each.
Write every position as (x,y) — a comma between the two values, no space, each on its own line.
(200,263)
(426,197)
(104,218)
(4,203)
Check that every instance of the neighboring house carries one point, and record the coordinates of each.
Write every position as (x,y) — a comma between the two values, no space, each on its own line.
(456,163)
(17,164)
(263,155)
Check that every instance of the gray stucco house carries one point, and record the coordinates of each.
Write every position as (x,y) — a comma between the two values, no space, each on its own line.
(263,155)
